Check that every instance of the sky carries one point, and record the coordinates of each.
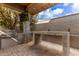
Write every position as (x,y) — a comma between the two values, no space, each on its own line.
(59,10)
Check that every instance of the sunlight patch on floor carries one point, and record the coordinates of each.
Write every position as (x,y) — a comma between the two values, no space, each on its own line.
(58,48)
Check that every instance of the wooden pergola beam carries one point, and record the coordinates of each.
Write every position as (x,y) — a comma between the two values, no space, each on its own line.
(33,8)
(38,7)
(14,7)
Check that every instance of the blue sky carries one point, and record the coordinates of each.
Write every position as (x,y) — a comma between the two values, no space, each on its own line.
(59,10)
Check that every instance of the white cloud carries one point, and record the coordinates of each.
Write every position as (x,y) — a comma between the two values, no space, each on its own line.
(41,13)
(75,7)
(69,13)
(66,4)
(47,13)
(47,10)
(50,15)
(58,11)
(44,12)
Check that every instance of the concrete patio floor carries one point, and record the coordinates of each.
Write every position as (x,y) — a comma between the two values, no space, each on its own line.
(43,49)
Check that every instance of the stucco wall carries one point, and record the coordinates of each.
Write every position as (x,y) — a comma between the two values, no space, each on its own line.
(62,24)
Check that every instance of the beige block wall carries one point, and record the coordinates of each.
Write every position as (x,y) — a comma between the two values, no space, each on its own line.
(62,24)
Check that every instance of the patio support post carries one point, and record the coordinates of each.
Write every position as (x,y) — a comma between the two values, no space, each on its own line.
(65,39)
(38,40)
(33,38)
(41,36)
(26,28)
(0,43)
(66,44)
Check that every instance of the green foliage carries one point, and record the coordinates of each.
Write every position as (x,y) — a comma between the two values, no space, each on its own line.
(21,26)
(8,18)
(24,17)
(34,21)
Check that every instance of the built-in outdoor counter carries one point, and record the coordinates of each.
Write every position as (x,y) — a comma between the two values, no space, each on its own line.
(7,41)
(65,39)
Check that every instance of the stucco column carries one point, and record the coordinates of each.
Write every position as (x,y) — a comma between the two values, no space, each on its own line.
(0,43)
(66,44)
(26,29)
